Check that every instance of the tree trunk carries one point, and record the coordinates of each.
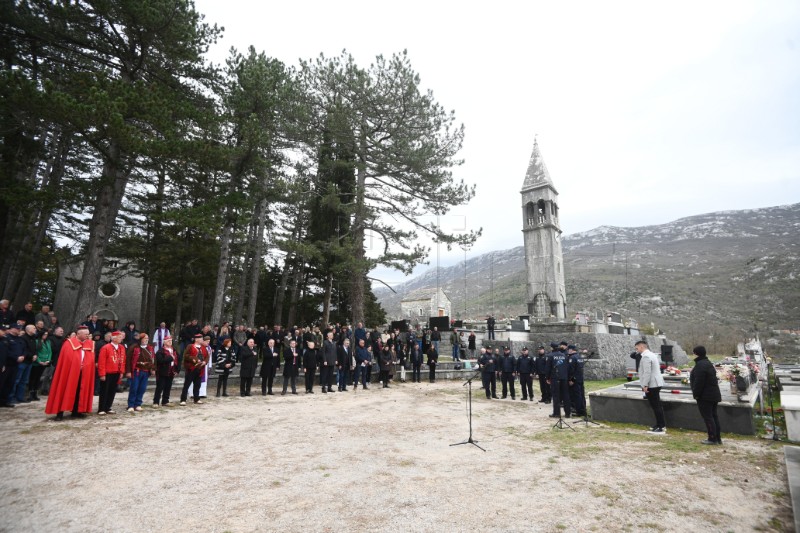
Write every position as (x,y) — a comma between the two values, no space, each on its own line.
(142,320)
(298,275)
(255,264)
(280,294)
(198,303)
(109,199)
(222,270)
(241,289)
(176,327)
(51,181)
(357,276)
(150,311)
(326,301)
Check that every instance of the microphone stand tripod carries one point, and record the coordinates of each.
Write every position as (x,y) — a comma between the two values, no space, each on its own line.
(468,384)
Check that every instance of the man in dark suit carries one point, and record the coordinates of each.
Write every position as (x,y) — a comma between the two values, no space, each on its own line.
(344,360)
(291,366)
(269,366)
(328,365)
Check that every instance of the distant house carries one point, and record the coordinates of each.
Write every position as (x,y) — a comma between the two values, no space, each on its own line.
(424,303)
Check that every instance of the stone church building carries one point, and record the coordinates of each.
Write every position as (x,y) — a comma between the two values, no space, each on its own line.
(118,298)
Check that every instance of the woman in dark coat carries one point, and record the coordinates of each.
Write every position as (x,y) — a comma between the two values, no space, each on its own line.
(705,389)
(131,334)
(385,362)
(224,361)
(248,361)
(433,358)
(416,363)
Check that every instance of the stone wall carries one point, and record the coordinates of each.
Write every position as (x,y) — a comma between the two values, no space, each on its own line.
(611,352)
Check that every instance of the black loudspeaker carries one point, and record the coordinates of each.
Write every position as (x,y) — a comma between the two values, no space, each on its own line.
(402,325)
(441,322)
(459,324)
(666,353)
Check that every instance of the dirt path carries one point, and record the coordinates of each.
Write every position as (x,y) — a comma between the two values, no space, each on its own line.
(375,460)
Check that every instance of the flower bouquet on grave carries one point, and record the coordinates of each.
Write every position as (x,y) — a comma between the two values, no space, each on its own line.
(740,377)
(672,371)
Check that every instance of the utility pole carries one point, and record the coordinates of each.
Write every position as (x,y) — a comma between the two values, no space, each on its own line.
(491,279)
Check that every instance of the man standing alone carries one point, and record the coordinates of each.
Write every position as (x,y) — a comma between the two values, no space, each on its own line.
(651,382)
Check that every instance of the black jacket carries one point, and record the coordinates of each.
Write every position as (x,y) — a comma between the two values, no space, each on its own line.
(525,364)
(560,366)
(575,368)
(542,365)
(488,363)
(311,358)
(704,381)
(272,359)
(344,358)
(248,361)
(291,367)
(508,363)
(29,349)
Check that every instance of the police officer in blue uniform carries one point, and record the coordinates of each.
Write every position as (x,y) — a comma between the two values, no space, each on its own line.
(526,369)
(576,393)
(543,371)
(559,379)
(508,366)
(488,366)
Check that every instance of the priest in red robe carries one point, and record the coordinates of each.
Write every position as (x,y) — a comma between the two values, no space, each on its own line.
(72,388)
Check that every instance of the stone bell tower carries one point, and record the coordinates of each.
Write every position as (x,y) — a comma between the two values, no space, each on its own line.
(540,229)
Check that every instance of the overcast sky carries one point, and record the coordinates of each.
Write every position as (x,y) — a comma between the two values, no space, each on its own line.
(645,112)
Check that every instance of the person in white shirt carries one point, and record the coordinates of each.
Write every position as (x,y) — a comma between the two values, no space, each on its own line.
(651,381)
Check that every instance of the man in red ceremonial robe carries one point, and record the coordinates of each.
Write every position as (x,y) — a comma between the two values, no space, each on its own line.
(72,388)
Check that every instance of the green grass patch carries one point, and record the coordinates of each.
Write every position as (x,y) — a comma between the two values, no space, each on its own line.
(591,386)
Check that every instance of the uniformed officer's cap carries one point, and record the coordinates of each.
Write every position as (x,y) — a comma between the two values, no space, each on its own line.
(506,348)
(553,345)
(525,349)
(540,348)
(572,347)
(562,343)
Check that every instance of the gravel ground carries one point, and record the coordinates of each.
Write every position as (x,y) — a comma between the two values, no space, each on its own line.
(375,460)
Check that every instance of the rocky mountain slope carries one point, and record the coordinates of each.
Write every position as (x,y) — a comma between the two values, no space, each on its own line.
(707,279)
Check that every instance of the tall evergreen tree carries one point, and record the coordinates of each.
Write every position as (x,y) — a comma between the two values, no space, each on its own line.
(404,145)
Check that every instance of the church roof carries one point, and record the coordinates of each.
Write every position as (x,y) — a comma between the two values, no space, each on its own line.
(537,174)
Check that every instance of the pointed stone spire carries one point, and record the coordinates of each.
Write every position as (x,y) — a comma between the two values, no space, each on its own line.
(537,174)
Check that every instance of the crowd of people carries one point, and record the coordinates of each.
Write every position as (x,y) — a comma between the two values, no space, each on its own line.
(558,371)
(99,360)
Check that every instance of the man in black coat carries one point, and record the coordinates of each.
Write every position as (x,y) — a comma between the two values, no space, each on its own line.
(311,358)
(291,366)
(344,360)
(488,366)
(577,395)
(328,364)
(543,371)
(526,369)
(705,389)
(559,377)
(508,368)
(270,364)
